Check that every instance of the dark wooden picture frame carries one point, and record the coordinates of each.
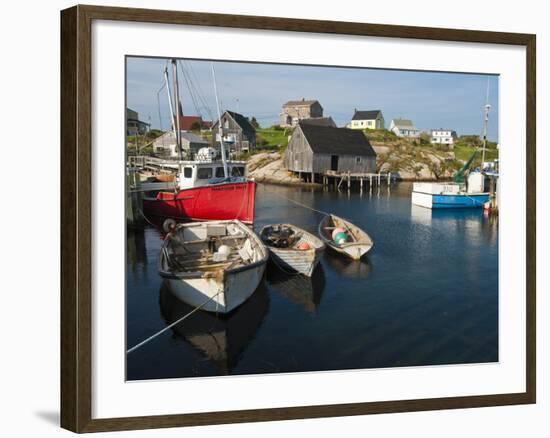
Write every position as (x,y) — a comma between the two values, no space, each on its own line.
(76,222)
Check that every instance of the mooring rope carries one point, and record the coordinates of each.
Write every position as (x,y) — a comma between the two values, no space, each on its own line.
(300,204)
(184,317)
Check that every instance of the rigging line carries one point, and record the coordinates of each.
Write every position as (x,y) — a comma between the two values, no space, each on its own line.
(194,90)
(169,326)
(183,72)
(158,104)
(200,91)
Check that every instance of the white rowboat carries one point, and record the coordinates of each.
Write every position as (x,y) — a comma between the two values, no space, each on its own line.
(358,243)
(284,242)
(203,274)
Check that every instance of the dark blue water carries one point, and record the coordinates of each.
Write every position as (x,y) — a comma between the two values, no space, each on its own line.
(427,294)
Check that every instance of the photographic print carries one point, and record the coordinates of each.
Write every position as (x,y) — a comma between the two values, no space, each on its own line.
(286,218)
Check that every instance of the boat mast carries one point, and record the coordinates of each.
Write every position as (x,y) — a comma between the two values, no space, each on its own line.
(177,107)
(485,123)
(173,119)
(220,131)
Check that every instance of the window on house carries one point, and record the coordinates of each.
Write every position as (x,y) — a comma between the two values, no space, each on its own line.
(226,123)
(187,172)
(204,173)
(358,160)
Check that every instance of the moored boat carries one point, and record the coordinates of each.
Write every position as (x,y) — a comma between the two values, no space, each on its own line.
(215,265)
(207,188)
(448,195)
(344,237)
(292,247)
(203,194)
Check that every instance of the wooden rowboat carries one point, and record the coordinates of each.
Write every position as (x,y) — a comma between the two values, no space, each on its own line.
(291,247)
(358,242)
(203,274)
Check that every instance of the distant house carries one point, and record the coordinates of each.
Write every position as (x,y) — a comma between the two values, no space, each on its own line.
(238,134)
(134,125)
(372,119)
(319,121)
(317,150)
(442,136)
(190,143)
(295,110)
(404,128)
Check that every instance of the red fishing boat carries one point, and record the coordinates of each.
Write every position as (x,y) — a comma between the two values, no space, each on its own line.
(204,189)
(203,194)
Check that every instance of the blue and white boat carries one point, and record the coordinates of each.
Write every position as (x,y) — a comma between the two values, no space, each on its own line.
(448,195)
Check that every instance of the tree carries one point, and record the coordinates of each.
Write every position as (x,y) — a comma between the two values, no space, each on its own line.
(425,138)
(195,126)
(154,133)
(254,123)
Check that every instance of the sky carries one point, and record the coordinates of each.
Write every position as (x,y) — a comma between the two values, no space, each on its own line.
(431,100)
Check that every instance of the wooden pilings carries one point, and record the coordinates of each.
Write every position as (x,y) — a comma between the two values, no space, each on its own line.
(359,180)
(335,180)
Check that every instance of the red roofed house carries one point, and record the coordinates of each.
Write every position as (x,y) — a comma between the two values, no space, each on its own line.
(187,123)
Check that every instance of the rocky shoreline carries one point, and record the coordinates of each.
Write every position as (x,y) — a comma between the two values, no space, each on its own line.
(267,167)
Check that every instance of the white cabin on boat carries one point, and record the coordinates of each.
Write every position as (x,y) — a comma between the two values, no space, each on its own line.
(202,173)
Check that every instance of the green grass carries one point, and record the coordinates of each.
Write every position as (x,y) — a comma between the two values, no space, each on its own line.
(463,153)
(267,138)
(380,135)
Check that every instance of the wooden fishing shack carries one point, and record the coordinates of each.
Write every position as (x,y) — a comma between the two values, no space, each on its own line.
(314,152)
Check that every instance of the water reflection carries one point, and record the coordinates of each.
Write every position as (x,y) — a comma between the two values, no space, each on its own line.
(221,338)
(298,289)
(359,269)
(472,222)
(135,248)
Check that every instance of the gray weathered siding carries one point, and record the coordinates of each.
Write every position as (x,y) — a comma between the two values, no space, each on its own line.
(298,156)
(243,140)
(346,163)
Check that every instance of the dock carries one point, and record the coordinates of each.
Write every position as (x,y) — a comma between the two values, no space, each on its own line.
(345,180)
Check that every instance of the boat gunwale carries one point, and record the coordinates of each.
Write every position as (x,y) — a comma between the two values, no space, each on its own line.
(178,190)
(301,251)
(330,243)
(174,275)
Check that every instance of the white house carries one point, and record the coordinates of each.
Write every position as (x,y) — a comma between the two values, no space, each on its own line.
(404,128)
(442,136)
(190,143)
(372,119)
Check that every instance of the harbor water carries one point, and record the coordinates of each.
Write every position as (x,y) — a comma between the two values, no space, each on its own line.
(426,294)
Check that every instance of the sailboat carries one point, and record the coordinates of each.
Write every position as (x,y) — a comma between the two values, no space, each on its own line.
(207,188)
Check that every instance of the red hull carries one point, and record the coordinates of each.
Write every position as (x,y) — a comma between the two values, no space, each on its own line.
(214,202)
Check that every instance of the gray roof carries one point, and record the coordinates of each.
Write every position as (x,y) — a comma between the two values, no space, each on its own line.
(340,141)
(366,115)
(403,123)
(192,138)
(185,136)
(302,102)
(319,121)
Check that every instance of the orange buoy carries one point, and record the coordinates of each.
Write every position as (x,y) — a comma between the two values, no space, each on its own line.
(304,246)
